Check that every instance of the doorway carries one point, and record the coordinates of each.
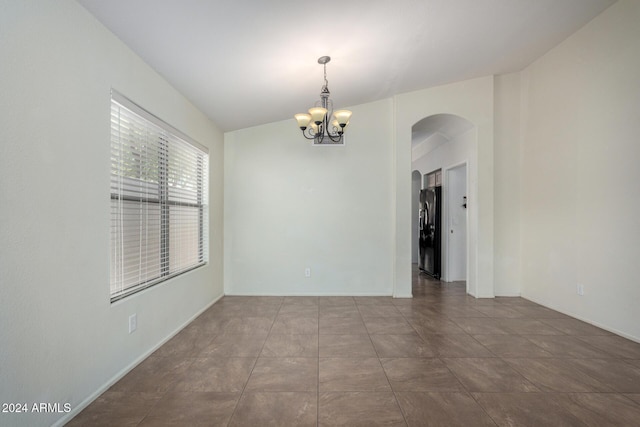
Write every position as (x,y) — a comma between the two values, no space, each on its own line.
(456,224)
(448,142)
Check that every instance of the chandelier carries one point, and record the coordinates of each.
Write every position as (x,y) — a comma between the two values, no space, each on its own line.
(322,124)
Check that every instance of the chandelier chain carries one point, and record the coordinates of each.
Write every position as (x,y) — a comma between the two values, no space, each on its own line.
(326,82)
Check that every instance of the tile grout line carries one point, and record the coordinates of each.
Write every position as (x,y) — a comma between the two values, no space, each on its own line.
(254,365)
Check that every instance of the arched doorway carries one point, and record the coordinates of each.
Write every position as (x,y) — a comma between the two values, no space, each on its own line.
(473,100)
(443,145)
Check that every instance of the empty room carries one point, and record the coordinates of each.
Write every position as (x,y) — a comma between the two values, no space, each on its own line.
(254,213)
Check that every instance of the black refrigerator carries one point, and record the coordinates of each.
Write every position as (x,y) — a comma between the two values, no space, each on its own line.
(429,241)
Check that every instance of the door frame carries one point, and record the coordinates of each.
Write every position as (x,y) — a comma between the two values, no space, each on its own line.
(446,243)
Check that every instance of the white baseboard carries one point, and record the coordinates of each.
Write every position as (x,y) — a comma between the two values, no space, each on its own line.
(86,402)
(591,322)
(289,294)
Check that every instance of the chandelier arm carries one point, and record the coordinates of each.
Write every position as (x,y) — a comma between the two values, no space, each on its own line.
(307,134)
(335,138)
(333,131)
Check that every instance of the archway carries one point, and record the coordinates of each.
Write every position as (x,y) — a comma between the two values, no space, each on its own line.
(473,100)
(444,145)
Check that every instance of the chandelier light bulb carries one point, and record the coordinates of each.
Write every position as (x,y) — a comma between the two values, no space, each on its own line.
(317,114)
(303,120)
(342,117)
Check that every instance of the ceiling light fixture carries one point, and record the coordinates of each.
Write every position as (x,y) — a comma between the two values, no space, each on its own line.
(322,124)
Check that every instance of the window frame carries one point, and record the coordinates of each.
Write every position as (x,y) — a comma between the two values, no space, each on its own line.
(168,140)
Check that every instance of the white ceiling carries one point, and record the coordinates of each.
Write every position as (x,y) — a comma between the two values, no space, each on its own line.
(250,62)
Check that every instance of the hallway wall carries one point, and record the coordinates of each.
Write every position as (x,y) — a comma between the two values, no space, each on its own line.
(459,149)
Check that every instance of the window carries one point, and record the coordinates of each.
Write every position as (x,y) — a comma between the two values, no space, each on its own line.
(159,206)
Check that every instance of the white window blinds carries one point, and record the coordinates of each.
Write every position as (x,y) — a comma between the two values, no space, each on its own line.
(159,206)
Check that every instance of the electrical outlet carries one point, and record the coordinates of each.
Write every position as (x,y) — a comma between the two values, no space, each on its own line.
(133,322)
(307,272)
(580,289)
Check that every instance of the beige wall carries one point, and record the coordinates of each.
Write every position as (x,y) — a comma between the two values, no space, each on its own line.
(506,178)
(62,341)
(579,192)
(291,206)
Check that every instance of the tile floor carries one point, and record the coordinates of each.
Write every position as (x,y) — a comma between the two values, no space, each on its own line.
(440,359)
